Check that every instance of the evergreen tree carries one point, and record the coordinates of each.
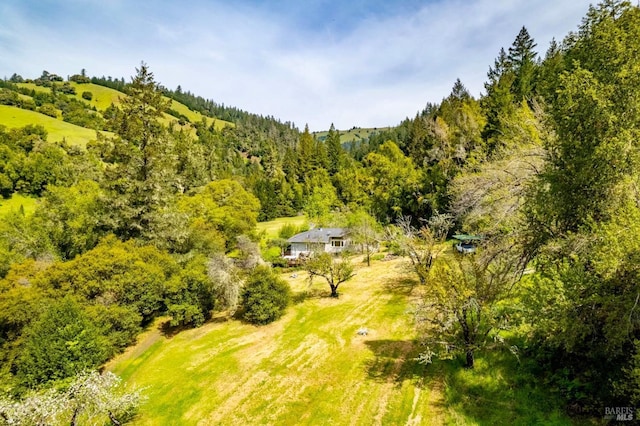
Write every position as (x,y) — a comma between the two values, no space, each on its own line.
(522,60)
(498,100)
(335,152)
(305,153)
(140,176)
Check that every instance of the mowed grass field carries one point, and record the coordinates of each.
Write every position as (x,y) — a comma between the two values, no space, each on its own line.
(311,367)
(57,130)
(272,228)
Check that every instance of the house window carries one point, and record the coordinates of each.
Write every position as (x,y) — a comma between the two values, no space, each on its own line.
(337,243)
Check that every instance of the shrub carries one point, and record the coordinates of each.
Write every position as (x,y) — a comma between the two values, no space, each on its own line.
(287,230)
(49,109)
(87,95)
(265,297)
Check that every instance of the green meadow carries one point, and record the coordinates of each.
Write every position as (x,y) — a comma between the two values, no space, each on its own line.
(312,367)
(354,134)
(13,117)
(105,96)
(271,228)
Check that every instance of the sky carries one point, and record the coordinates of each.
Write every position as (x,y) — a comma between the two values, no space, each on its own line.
(362,63)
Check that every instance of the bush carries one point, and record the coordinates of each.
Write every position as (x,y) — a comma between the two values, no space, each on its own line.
(265,297)
(87,95)
(287,231)
(49,109)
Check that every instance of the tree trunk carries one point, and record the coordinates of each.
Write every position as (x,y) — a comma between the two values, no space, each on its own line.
(74,418)
(334,290)
(113,419)
(470,359)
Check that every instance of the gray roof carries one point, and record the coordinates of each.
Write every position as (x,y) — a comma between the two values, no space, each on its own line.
(319,235)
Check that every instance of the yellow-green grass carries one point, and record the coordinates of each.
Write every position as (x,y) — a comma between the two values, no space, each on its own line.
(195,117)
(17,202)
(312,367)
(352,135)
(57,130)
(272,227)
(32,86)
(103,97)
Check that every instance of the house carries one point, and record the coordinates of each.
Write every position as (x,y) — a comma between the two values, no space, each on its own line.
(330,240)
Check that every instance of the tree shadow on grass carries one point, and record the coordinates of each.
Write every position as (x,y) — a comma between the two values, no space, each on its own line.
(401,286)
(396,361)
(500,389)
(308,294)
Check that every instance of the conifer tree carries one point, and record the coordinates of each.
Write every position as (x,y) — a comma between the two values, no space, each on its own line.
(335,152)
(140,176)
(522,60)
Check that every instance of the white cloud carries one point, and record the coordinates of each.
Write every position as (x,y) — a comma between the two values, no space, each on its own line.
(372,74)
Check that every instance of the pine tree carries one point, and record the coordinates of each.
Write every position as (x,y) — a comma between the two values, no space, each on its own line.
(335,152)
(523,63)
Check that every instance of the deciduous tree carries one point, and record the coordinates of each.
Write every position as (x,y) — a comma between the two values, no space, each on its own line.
(334,270)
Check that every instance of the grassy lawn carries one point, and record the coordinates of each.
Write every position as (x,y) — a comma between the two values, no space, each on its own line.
(311,367)
(14,203)
(272,227)
(13,117)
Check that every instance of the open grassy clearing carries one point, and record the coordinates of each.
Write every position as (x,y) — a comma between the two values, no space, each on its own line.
(272,227)
(13,117)
(102,96)
(16,202)
(311,367)
(352,135)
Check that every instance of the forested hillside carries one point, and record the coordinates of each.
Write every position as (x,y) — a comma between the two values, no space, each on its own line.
(152,211)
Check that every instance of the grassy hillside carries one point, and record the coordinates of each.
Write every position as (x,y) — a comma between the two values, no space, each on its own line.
(105,96)
(13,117)
(311,367)
(352,135)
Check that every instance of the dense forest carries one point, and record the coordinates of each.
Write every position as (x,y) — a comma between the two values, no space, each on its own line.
(152,219)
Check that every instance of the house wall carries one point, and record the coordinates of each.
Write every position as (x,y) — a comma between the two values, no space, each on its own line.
(306,248)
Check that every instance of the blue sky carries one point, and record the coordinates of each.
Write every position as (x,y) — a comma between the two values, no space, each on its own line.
(352,63)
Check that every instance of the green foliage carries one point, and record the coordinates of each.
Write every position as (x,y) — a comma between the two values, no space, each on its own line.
(461,309)
(395,183)
(364,231)
(265,297)
(335,153)
(87,95)
(219,212)
(116,272)
(321,199)
(140,176)
(60,344)
(70,217)
(190,295)
(582,214)
(48,109)
(335,271)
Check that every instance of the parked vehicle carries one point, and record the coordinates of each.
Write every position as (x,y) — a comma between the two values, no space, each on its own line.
(466,244)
